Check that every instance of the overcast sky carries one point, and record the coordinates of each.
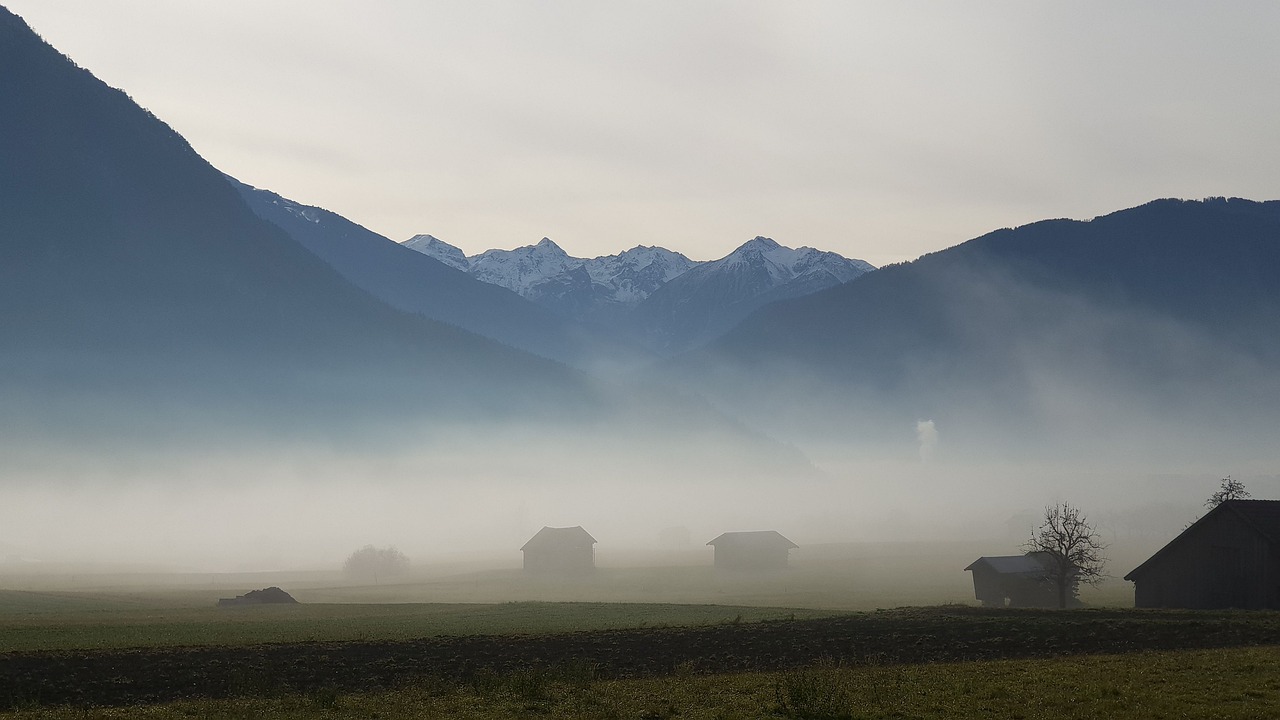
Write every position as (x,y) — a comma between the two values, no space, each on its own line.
(878,130)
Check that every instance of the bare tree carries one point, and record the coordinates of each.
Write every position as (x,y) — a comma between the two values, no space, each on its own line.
(1071,549)
(1228,490)
(372,561)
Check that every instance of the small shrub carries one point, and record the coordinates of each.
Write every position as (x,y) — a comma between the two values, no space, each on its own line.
(577,673)
(529,684)
(325,698)
(815,693)
(484,682)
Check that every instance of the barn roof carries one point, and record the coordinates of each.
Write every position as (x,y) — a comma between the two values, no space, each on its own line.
(1262,516)
(1010,564)
(756,539)
(565,537)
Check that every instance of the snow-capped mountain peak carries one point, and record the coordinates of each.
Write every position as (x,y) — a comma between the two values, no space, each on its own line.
(625,278)
(709,299)
(633,275)
(440,250)
(784,264)
(758,243)
(524,267)
(548,245)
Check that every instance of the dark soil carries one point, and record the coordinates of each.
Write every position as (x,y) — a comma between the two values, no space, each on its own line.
(902,636)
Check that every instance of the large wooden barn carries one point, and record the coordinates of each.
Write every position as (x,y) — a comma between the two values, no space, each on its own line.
(756,550)
(560,551)
(1230,558)
(1013,581)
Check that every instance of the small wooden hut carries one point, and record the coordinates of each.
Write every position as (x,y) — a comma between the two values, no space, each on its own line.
(756,550)
(1013,581)
(560,551)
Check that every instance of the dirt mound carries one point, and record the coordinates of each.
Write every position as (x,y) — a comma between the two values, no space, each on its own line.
(259,597)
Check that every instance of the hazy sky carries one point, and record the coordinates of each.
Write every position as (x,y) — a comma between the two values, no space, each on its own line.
(879,130)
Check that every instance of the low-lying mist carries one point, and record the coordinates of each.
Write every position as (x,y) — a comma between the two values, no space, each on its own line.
(478,493)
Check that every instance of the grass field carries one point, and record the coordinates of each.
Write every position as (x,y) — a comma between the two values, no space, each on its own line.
(1231,683)
(36,621)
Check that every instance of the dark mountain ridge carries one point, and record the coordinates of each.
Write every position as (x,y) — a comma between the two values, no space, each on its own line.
(1168,311)
(128,262)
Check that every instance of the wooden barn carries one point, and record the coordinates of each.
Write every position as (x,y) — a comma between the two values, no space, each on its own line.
(1230,558)
(757,550)
(1013,581)
(560,551)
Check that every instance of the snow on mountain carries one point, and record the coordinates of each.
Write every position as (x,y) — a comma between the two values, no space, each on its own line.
(544,270)
(784,265)
(523,268)
(440,250)
(660,296)
(706,301)
(634,274)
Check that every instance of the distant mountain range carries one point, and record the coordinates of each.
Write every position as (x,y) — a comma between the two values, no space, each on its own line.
(626,278)
(609,311)
(656,296)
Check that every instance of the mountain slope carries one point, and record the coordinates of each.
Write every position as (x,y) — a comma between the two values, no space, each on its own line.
(417,282)
(1164,314)
(129,266)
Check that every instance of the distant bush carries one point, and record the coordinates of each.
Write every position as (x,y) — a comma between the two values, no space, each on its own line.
(374,563)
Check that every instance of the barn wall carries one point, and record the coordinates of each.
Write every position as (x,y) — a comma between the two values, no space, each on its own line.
(987,586)
(994,589)
(1219,563)
(564,560)
(728,557)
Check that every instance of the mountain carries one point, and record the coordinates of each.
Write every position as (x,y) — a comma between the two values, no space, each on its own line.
(438,249)
(635,274)
(706,301)
(131,271)
(1161,323)
(659,297)
(154,329)
(603,290)
(418,282)
(536,271)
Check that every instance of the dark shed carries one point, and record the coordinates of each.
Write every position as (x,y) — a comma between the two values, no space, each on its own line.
(568,550)
(1013,580)
(757,550)
(1230,558)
